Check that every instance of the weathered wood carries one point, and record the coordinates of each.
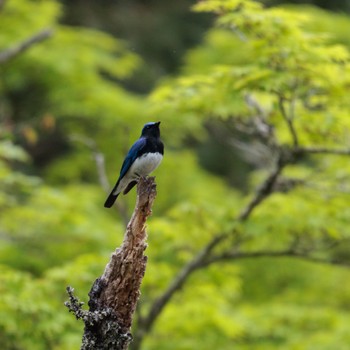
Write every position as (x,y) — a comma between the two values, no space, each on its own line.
(114,296)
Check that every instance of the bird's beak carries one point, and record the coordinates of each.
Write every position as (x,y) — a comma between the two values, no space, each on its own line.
(157,123)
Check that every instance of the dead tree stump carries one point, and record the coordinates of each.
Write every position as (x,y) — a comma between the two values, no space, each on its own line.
(114,295)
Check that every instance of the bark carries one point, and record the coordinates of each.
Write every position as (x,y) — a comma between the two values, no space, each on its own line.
(16,50)
(114,295)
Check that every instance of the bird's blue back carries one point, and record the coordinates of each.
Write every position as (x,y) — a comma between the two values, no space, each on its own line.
(134,152)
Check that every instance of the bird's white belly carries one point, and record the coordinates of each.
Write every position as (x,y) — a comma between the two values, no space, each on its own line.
(142,166)
(145,164)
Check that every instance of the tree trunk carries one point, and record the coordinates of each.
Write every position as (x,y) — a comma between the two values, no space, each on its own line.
(114,295)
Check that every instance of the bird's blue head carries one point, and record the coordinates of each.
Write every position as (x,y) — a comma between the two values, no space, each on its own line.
(151,129)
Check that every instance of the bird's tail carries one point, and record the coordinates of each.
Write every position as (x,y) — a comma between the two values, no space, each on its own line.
(111,198)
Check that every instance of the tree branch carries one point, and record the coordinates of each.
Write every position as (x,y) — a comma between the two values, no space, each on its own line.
(264,190)
(205,257)
(228,256)
(200,260)
(101,172)
(102,176)
(323,150)
(289,118)
(177,283)
(262,128)
(14,51)
(114,296)
(203,260)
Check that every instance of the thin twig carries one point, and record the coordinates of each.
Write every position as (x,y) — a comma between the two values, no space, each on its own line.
(289,118)
(101,172)
(246,255)
(262,127)
(14,51)
(254,104)
(265,189)
(271,254)
(323,150)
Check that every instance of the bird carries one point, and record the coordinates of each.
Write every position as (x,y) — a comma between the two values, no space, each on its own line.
(143,157)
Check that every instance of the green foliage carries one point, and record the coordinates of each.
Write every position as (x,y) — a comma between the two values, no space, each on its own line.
(31,317)
(61,103)
(291,309)
(56,221)
(14,184)
(212,317)
(268,54)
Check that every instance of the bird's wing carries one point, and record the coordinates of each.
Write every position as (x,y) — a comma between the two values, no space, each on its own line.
(133,153)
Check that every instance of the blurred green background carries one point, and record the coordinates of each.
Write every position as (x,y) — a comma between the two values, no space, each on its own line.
(226,79)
